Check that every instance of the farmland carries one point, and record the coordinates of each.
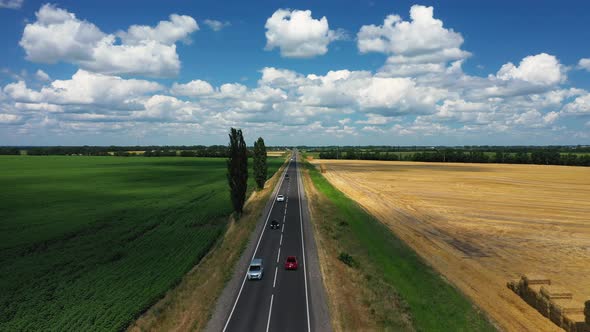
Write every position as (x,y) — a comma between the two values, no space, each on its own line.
(91,242)
(481,225)
(374,281)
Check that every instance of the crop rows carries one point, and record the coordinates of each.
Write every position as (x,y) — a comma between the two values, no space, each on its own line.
(102,257)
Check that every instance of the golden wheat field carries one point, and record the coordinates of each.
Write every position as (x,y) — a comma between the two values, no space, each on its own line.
(275,153)
(482,225)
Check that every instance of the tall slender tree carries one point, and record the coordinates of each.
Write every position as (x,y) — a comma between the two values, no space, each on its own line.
(260,166)
(237,169)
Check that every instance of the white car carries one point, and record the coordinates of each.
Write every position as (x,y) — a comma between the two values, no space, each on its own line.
(280,198)
(256,269)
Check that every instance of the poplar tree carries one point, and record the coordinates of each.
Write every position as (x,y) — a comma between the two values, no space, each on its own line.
(260,166)
(237,170)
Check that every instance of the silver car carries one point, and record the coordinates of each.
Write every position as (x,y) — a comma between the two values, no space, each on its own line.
(256,269)
(280,198)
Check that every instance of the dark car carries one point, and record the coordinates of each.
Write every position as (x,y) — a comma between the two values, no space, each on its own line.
(274,224)
(291,263)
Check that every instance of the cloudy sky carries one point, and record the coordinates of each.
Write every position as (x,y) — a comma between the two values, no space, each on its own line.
(295,72)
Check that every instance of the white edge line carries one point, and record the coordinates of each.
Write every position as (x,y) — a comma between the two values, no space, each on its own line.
(269,312)
(303,248)
(256,249)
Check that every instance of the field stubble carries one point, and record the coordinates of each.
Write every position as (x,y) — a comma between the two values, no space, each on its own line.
(481,225)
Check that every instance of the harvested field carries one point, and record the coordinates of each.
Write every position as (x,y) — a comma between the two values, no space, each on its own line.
(481,225)
(275,153)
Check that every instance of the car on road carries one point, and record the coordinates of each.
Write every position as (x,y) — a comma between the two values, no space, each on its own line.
(280,198)
(274,224)
(256,269)
(291,263)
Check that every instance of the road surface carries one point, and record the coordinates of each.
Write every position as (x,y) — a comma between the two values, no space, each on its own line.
(282,300)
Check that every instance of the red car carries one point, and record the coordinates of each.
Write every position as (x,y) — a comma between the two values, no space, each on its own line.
(291,263)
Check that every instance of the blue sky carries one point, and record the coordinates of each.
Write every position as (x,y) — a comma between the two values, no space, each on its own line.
(295,72)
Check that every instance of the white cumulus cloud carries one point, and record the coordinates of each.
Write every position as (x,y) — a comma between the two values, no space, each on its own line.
(193,88)
(11,4)
(281,77)
(58,35)
(10,118)
(384,95)
(579,106)
(420,45)
(584,63)
(535,119)
(86,88)
(166,32)
(41,75)
(298,35)
(540,69)
(216,25)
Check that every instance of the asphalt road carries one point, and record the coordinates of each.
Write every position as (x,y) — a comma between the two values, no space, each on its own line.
(280,301)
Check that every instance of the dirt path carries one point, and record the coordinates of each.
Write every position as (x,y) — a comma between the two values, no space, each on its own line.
(481,225)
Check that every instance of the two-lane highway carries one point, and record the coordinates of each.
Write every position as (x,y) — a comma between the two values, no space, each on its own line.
(280,301)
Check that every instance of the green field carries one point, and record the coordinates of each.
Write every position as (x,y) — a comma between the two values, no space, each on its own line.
(88,243)
(392,270)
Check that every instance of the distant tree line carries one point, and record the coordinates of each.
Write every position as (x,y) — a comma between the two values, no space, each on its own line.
(219,151)
(421,148)
(571,156)
(9,151)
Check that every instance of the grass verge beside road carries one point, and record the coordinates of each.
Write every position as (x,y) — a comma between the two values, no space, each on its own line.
(374,281)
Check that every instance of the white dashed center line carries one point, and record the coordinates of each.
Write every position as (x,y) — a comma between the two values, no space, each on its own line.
(269,313)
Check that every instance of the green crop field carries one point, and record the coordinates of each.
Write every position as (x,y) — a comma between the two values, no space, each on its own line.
(88,243)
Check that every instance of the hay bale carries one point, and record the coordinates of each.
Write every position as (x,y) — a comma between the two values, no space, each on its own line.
(571,307)
(513,285)
(521,287)
(535,279)
(574,323)
(530,295)
(554,293)
(555,314)
(543,305)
